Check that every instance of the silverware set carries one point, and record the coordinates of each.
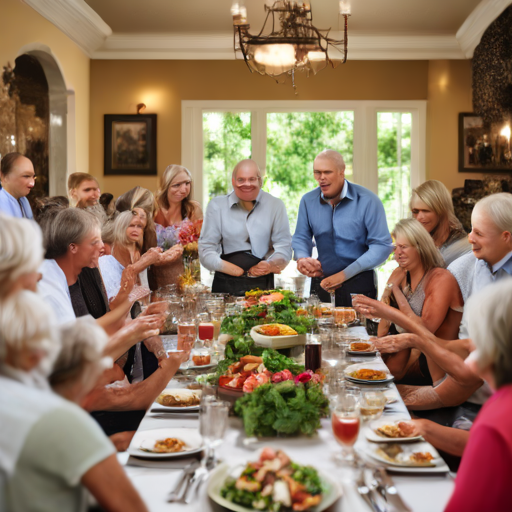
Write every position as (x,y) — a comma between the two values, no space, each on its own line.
(187,487)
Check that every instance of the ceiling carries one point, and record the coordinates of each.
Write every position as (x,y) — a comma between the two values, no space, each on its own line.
(426,17)
(202,29)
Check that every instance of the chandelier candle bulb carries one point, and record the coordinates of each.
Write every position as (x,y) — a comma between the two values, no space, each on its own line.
(345,7)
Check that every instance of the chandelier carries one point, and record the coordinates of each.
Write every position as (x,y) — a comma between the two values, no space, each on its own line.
(288,40)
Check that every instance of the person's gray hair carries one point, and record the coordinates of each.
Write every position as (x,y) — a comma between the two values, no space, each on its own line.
(70,226)
(21,250)
(81,355)
(27,322)
(489,314)
(244,163)
(333,156)
(421,240)
(499,209)
(107,232)
(123,220)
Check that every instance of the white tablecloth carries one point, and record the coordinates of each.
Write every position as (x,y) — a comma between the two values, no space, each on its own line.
(421,492)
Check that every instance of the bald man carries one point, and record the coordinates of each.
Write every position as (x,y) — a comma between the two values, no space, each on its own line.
(348,224)
(18,179)
(246,235)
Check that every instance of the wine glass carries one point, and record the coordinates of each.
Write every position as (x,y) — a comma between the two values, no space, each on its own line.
(213,421)
(372,405)
(345,424)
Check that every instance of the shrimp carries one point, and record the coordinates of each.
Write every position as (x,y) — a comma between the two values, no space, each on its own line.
(254,381)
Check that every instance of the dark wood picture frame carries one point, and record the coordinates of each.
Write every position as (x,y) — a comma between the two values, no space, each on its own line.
(481,149)
(130,145)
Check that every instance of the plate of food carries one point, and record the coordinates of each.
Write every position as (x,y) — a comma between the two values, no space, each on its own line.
(361,348)
(418,456)
(271,481)
(165,443)
(391,430)
(277,336)
(177,400)
(370,373)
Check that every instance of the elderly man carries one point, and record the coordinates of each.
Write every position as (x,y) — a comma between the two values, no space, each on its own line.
(83,190)
(18,178)
(246,235)
(349,226)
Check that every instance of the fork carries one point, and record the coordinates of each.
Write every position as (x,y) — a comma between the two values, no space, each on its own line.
(200,474)
(178,493)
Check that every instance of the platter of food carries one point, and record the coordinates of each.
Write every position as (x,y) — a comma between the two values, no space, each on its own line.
(370,373)
(277,336)
(270,483)
(361,348)
(177,400)
(417,457)
(165,443)
(391,430)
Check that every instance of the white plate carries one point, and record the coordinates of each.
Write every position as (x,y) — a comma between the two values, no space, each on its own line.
(156,407)
(147,438)
(391,396)
(277,342)
(439,465)
(372,435)
(218,477)
(360,353)
(372,366)
(193,367)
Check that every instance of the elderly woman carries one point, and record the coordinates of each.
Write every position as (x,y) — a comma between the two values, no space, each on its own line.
(21,253)
(431,205)
(39,427)
(489,449)
(174,207)
(421,288)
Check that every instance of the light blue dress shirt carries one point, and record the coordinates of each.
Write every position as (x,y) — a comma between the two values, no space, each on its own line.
(353,236)
(11,206)
(228,227)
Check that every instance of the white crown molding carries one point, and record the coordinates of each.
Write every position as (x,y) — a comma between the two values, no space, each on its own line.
(76,19)
(220,47)
(471,31)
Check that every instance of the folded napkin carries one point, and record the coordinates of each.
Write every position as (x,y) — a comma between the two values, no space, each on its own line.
(163,463)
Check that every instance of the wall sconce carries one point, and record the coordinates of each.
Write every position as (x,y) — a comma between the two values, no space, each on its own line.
(141,107)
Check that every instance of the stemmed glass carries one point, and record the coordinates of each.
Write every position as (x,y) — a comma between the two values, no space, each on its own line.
(345,424)
(213,421)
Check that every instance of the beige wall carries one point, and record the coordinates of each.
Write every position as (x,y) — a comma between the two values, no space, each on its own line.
(117,87)
(449,92)
(21,26)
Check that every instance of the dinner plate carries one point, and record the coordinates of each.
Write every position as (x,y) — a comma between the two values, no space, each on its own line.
(277,342)
(361,353)
(438,464)
(194,367)
(147,439)
(219,475)
(156,407)
(372,366)
(372,435)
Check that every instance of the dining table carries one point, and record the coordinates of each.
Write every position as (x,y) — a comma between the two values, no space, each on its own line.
(154,479)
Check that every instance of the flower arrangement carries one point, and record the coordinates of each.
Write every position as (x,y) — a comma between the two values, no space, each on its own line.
(189,234)
(166,237)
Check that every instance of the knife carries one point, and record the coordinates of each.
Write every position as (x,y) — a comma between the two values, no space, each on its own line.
(391,492)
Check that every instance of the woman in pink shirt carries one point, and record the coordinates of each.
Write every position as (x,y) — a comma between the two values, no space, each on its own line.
(485,475)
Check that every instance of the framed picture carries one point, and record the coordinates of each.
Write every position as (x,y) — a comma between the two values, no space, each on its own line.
(130,144)
(482,149)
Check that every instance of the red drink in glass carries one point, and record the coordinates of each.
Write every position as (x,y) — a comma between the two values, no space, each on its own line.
(206,331)
(345,429)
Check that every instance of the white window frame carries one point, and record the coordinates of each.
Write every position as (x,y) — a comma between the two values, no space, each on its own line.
(365,171)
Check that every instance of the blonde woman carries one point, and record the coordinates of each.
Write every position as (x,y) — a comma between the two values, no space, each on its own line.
(174,205)
(431,205)
(421,288)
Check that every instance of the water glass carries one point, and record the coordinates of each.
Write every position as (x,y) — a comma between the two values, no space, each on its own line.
(213,422)
(372,405)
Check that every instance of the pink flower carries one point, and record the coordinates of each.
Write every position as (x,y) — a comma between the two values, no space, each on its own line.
(304,377)
(282,376)
(316,378)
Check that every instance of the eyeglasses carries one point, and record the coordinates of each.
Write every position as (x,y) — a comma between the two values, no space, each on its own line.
(251,181)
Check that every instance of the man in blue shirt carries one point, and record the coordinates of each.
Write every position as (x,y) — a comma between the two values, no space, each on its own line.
(349,227)
(18,179)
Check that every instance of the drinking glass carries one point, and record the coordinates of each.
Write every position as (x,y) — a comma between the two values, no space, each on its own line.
(372,405)
(313,353)
(213,421)
(345,425)
(344,316)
